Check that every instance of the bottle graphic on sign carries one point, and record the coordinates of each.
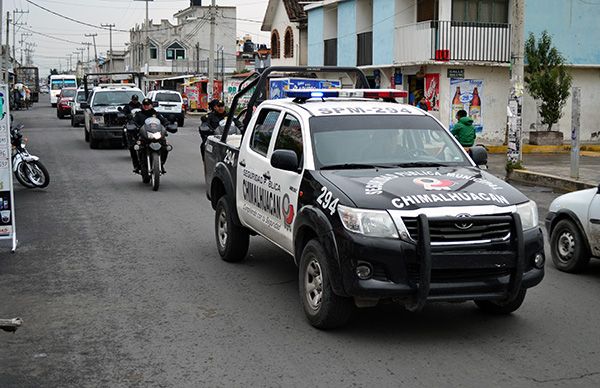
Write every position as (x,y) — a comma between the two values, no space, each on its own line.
(475,109)
(456,105)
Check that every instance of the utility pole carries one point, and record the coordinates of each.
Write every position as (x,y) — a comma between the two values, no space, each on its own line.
(93,36)
(23,36)
(87,66)
(17,23)
(3,62)
(6,58)
(110,27)
(515,102)
(211,53)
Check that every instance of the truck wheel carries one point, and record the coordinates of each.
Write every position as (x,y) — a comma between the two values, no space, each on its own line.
(232,240)
(323,308)
(502,307)
(86,134)
(569,253)
(93,142)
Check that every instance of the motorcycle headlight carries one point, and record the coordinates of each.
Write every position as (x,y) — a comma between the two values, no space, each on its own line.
(373,223)
(529,215)
(155,135)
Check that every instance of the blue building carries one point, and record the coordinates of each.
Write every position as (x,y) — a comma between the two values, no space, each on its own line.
(454,53)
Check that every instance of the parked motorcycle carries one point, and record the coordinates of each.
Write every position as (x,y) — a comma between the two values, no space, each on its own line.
(28,169)
(151,146)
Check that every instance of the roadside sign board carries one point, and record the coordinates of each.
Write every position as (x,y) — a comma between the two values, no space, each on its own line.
(456,73)
(7,209)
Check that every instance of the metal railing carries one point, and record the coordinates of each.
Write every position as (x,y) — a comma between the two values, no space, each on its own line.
(453,41)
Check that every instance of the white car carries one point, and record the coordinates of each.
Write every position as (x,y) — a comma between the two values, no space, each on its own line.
(574,227)
(168,103)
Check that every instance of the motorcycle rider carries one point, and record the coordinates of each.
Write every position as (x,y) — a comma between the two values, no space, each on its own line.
(133,104)
(139,119)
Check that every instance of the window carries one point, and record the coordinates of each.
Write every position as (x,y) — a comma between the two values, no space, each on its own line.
(167,97)
(274,44)
(175,51)
(261,136)
(290,136)
(153,51)
(288,43)
(115,98)
(365,49)
(486,11)
(330,55)
(427,10)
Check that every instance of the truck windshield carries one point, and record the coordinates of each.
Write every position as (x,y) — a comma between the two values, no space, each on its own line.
(383,141)
(117,97)
(58,84)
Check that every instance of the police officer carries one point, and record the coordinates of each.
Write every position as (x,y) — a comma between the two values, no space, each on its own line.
(139,119)
(133,104)
(211,122)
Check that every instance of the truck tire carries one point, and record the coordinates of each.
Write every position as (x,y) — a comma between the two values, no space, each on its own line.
(93,142)
(322,307)
(232,240)
(567,245)
(500,307)
(86,135)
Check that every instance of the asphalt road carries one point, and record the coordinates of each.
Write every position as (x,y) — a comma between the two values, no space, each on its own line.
(122,286)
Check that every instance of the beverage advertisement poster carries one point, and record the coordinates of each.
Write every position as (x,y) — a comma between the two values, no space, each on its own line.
(432,91)
(7,229)
(465,94)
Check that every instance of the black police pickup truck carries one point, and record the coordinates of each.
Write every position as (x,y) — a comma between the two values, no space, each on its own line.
(375,200)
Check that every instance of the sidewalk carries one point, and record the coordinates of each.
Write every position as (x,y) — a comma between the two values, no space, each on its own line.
(549,170)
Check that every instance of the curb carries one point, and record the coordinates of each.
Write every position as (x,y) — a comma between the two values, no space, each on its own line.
(547,180)
(592,150)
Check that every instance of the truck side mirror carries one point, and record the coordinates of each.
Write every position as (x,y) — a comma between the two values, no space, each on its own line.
(285,160)
(84,105)
(479,155)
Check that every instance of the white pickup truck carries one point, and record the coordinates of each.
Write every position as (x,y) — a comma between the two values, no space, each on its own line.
(375,200)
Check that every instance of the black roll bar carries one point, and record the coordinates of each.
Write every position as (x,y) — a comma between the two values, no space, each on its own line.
(134,74)
(261,81)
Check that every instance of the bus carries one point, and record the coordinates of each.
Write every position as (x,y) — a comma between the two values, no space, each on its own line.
(57,82)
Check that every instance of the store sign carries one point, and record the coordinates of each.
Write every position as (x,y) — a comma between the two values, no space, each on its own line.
(456,73)
(7,212)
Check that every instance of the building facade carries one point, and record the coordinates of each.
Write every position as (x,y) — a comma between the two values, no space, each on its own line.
(287,23)
(454,53)
(183,47)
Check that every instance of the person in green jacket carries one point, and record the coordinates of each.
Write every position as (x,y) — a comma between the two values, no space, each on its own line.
(463,130)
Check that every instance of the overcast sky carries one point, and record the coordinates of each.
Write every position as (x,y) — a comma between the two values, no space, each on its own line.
(51,53)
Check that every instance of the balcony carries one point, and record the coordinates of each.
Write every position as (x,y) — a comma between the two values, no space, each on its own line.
(453,41)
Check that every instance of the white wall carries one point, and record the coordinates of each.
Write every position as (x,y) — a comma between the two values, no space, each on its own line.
(280,23)
(364,16)
(406,12)
(589,82)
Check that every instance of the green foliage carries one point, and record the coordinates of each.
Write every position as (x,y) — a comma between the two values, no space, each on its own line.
(546,77)
(514,166)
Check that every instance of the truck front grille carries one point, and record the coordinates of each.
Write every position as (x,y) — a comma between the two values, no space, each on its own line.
(466,230)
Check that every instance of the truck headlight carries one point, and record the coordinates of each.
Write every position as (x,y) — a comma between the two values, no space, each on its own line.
(373,223)
(529,215)
(98,119)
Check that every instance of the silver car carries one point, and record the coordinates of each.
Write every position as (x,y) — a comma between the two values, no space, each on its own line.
(574,227)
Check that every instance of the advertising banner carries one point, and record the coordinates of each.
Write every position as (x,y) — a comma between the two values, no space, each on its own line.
(466,94)
(7,213)
(432,91)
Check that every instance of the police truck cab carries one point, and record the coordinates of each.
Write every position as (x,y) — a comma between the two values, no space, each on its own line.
(376,201)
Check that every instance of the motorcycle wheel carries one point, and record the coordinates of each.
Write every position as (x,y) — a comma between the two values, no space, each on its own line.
(144,167)
(155,171)
(37,173)
(21,176)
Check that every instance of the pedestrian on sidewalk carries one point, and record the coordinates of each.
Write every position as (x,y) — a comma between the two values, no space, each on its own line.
(463,130)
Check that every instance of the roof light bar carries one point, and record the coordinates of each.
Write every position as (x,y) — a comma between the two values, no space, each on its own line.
(346,93)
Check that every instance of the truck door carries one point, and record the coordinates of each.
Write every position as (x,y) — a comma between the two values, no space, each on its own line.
(258,200)
(288,137)
(594,220)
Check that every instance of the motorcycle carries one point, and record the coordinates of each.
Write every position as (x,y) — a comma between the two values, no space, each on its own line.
(28,169)
(150,145)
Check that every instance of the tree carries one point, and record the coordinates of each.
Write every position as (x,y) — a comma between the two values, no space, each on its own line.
(546,77)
